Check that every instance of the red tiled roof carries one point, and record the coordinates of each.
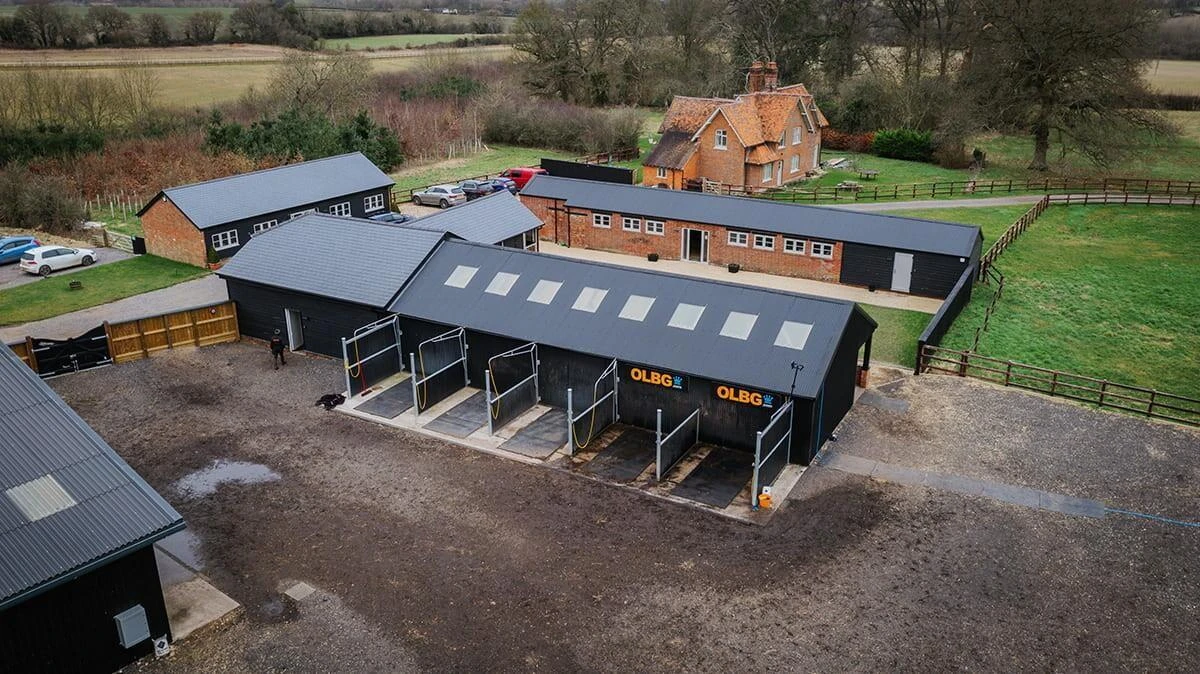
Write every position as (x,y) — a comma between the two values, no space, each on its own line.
(762,154)
(672,150)
(688,113)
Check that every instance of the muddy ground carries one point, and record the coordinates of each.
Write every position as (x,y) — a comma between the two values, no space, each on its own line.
(429,556)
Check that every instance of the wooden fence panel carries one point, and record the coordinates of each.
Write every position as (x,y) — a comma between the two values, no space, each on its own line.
(202,326)
(24,351)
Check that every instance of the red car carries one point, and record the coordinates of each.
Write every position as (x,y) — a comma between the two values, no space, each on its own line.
(522,175)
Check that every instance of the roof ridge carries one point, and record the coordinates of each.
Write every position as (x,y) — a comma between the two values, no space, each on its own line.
(211,181)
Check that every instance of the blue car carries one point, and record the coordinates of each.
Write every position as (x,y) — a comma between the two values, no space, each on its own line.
(12,247)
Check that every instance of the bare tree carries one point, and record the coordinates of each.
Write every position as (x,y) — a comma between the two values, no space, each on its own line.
(107,24)
(155,29)
(336,85)
(202,27)
(1068,66)
(47,22)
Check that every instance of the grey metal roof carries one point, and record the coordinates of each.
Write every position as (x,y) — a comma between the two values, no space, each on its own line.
(360,261)
(67,500)
(489,219)
(568,322)
(224,200)
(763,215)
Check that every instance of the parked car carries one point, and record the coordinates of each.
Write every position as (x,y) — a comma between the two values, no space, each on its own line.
(45,259)
(444,196)
(522,175)
(12,247)
(392,216)
(500,184)
(476,188)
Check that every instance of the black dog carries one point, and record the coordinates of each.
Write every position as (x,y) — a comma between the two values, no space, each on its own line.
(331,400)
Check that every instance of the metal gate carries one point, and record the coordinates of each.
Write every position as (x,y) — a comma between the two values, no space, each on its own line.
(599,415)
(520,364)
(376,353)
(62,356)
(435,361)
(772,450)
(672,447)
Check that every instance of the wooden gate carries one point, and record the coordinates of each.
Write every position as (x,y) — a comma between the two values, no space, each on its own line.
(201,326)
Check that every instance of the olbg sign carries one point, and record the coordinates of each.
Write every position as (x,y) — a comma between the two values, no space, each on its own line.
(658,378)
(735,394)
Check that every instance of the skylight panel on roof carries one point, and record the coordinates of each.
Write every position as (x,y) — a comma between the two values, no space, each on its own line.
(636,308)
(461,276)
(40,498)
(793,335)
(589,299)
(501,283)
(738,325)
(544,291)
(686,316)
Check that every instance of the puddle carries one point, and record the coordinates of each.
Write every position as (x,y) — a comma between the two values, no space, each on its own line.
(206,481)
(185,547)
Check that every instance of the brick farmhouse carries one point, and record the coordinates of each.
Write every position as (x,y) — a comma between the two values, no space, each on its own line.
(909,255)
(769,136)
(183,223)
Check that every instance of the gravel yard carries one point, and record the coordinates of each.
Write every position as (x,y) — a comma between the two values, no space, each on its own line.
(428,556)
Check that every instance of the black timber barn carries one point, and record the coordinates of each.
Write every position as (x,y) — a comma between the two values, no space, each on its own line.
(79,587)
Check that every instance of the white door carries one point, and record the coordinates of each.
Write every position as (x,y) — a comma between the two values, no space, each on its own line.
(295,329)
(902,272)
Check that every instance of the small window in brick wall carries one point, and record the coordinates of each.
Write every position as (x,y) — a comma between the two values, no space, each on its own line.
(794,246)
(764,241)
(662,172)
(738,238)
(655,227)
(631,224)
(822,250)
(601,220)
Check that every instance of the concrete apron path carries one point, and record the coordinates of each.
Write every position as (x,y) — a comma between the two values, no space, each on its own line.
(192,602)
(881,298)
(1022,496)
(198,292)
(560,459)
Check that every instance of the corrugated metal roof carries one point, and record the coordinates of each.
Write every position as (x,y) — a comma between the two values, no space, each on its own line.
(66,498)
(216,202)
(489,219)
(763,215)
(611,331)
(360,261)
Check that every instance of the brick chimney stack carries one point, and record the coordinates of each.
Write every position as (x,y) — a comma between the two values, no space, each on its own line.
(756,80)
(771,76)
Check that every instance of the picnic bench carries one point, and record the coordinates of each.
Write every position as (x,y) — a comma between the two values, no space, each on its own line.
(868,174)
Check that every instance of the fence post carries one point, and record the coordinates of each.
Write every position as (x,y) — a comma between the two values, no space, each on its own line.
(412,362)
(487,396)
(962,364)
(1150,407)
(346,367)
(757,457)
(570,423)
(1053,382)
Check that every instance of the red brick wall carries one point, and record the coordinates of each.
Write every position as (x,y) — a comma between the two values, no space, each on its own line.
(668,246)
(171,235)
(727,166)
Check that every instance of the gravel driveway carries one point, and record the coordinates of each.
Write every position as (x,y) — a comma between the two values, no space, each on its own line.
(430,556)
(11,275)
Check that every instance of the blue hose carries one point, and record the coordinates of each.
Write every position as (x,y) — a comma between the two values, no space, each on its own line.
(1156,518)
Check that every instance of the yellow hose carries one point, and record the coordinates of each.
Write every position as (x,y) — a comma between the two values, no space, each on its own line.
(591,424)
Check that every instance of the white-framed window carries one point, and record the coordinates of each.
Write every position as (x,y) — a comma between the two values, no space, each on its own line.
(794,246)
(795,163)
(342,209)
(373,203)
(300,213)
(796,134)
(530,239)
(224,240)
(656,227)
(738,239)
(822,250)
(260,227)
(782,145)
(768,172)
(631,224)
(601,220)
(722,139)
(764,241)
(662,172)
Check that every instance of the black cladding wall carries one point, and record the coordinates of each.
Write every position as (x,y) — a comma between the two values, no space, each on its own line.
(70,628)
(933,275)
(260,312)
(245,227)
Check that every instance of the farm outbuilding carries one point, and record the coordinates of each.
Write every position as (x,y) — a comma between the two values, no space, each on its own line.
(887,252)
(317,278)
(183,223)
(79,587)
(737,354)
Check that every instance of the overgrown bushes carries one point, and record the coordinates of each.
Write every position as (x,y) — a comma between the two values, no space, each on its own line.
(573,128)
(47,140)
(908,144)
(35,201)
(832,139)
(304,134)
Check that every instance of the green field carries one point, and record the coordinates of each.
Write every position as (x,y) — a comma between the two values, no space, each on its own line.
(895,340)
(102,284)
(395,41)
(1111,292)
(993,220)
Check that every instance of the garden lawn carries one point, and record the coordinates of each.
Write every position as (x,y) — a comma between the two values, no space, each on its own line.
(1111,292)
(993,220)
(895,340)
(106,283)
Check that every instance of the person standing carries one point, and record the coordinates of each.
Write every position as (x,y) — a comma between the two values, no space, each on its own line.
(277,350)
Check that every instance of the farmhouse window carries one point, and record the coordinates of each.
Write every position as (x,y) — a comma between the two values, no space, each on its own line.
(722,139)
(795,135)
(795,163)
(224,240)
(767,172)
(662,172)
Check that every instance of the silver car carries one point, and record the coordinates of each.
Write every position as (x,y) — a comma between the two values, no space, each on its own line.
(443,196)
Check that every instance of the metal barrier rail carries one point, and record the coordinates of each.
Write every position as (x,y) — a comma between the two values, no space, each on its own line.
(489,382)
(418,380)
(759,459)
(572,419)
(659,469)
(355,370)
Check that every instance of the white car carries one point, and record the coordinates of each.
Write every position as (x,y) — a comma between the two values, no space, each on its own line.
(444,196)
(45,259)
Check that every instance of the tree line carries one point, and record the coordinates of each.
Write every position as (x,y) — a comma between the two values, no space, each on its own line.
(1068,68)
